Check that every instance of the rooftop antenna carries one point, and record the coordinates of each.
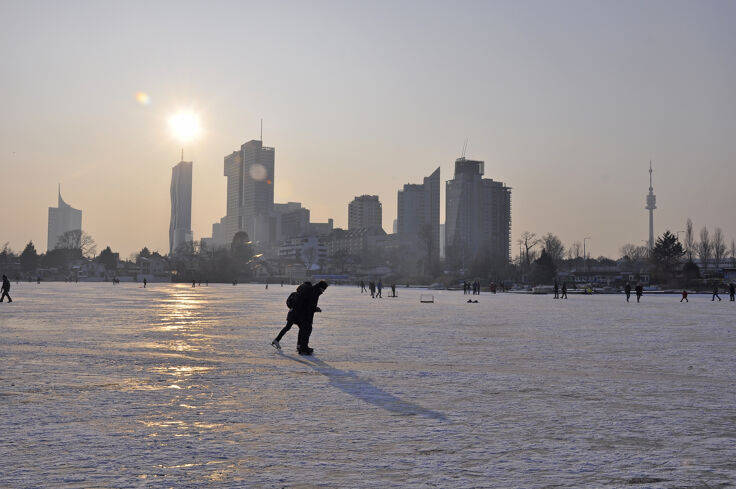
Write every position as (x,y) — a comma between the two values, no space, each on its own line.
(182,154)
(465,147)
(261,130)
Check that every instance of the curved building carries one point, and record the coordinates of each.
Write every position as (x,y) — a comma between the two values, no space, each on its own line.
(62,219)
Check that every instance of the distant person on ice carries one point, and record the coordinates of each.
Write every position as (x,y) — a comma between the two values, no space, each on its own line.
(639,291)
(564,291)
(145,282)
(6,290)
(684,296)
(557,289)
(732,291)
(379,288)
(362,286)
(627,289)
(715,292)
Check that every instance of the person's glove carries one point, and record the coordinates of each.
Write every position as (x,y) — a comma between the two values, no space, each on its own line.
(317,309)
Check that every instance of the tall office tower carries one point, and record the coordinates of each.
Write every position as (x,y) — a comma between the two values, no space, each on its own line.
(651,205)
(365,212)
(62,219)
(478,215)
(250,179)
(418,218)
(180,226)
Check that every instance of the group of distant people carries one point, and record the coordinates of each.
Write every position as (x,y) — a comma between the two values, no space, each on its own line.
(557,290)
(471,288)
(376,289)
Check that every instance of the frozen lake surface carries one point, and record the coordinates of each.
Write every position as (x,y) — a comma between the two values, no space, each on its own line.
(174,386)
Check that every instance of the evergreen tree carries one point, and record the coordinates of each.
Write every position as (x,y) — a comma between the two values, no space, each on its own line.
(666,254)
(544,269)
(107,258)
(29,258)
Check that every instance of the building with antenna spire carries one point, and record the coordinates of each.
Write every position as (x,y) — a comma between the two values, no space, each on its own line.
(180,225)
(62,219)
(651,205)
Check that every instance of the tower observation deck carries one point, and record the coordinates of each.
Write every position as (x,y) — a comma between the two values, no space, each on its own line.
(651,205)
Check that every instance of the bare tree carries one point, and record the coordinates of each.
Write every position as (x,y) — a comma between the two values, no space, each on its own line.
(719,247)
(554,247)
(528,240)
(634,253)
(704,248)
(77,240)
(575,250)
(309,256)
(689,239)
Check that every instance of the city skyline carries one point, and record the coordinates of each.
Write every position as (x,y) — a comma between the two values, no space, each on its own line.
(567,104)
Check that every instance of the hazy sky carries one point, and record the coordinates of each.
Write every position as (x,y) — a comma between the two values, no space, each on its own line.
(565,101)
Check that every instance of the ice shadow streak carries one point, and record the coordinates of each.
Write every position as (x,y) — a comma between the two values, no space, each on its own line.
(350,383)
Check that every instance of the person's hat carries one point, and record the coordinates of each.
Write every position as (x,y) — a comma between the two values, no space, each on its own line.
(322,284)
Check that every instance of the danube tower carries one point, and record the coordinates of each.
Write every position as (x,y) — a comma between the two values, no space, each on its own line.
(651,205)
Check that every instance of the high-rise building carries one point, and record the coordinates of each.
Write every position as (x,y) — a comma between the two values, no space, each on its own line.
(180,225)
(418,219)
(478,215)
(250,180)
(364,212)
(62,219)
(651,205)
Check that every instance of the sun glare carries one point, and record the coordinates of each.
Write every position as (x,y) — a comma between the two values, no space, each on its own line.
(184,126)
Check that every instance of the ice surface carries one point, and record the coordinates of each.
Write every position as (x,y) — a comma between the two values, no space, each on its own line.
(174,386)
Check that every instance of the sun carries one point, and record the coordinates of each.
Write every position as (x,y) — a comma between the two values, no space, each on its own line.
(184,126)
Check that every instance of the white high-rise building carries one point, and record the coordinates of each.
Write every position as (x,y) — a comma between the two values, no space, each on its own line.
(250,180)
(180,226)
(418,215)
(62,219)
(365,212)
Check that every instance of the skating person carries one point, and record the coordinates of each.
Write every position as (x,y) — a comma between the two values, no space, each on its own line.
(145,282)
(715,293)
(372,288)
(393,290)
(362,286)
(639,292)
(557,289)
(564,291)
(627,289)
(684,296)
(732,291)
(379,288)
(306,306)
(194,283)
(5,289)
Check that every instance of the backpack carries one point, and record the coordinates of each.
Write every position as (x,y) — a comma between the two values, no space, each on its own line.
(291,300)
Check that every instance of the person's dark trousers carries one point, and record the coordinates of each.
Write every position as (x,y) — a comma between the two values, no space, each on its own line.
(290,321)
(5,294)
(305,331)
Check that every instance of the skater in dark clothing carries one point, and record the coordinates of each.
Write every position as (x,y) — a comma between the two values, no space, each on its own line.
(627,289)
(379,288)
(684,296)
(362,286)
(5,289)
(564,291)
(557,289)
(732,291)
(145,282)
(302,314)
(715,293)
(639,292)
(194,283)
(393,290)
(306,306)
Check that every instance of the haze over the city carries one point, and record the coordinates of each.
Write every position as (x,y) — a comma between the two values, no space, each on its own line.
(566,102)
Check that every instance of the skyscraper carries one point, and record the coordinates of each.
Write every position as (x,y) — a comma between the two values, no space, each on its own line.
(478,215)
(180,226)
(651,205)
(62,219)
(250,180)
(418,216)
(365,212)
